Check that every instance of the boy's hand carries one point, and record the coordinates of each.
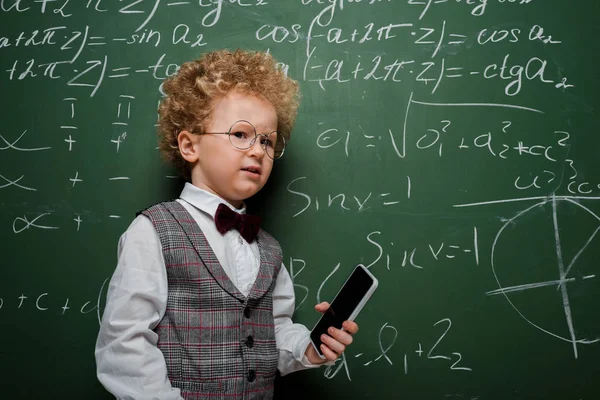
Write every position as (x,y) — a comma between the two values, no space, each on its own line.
(334,342)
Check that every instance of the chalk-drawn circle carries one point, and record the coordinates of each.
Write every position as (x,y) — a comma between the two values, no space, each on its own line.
(552,281)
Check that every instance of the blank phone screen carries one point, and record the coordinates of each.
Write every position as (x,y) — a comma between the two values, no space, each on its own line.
(355,288)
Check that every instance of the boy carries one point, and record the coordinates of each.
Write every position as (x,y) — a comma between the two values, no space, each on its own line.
(200,303)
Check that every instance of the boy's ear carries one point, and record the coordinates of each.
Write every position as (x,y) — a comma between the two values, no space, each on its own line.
(187,146)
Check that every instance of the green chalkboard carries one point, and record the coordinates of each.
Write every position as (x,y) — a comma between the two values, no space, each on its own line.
(451,146)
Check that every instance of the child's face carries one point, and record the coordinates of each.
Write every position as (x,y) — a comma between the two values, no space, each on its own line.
(223,169)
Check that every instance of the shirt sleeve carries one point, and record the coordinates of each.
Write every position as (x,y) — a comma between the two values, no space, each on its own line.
(292,339)
(129,363)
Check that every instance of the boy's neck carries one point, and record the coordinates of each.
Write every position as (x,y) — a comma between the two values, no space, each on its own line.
(236,204)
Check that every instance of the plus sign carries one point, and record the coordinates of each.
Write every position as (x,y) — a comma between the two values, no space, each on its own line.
(76,179)
(22,297)
(79,221)
(66,306)
(70,141)
(420,351)
(522,149)
(117,142)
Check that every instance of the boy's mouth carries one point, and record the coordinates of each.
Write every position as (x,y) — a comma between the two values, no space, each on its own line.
(254,170)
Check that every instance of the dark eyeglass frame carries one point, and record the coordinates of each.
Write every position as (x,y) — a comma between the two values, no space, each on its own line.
(253,141)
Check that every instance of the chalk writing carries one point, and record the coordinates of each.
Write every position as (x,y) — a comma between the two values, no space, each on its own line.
(563,271)
(342,201)
(416,257)
(21,224)
(54,303)
(387,338)
(436,140)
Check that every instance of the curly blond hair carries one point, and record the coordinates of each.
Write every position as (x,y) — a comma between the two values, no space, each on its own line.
(191,92)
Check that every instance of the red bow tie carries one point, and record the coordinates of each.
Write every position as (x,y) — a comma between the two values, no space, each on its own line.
(227,219)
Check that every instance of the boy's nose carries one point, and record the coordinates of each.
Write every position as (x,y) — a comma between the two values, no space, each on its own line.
(258,148)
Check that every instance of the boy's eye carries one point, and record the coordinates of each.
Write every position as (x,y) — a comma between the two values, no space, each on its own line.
(266,142)
(240,134)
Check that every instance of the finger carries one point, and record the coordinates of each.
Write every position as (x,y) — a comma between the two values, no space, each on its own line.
(333,344)
(350,327)
(322,307)
(341,336)
(329,354)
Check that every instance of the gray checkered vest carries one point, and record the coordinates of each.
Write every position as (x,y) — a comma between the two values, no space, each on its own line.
(217,343)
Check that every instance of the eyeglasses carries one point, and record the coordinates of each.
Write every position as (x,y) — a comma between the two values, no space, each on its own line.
(242,135)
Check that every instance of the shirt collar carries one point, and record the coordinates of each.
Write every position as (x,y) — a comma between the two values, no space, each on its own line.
(205,201)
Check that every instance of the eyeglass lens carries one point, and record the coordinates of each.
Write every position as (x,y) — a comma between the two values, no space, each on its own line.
(242,135)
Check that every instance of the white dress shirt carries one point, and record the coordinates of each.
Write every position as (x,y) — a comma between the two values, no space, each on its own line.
(129,363)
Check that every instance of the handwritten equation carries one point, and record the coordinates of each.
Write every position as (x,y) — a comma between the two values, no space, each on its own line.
(387,337)
(52,303)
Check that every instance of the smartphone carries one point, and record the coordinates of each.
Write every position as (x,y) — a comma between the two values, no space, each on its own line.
(346,305)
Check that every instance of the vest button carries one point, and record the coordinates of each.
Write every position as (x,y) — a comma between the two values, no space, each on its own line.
(247,312)
(250,342)
(251,375)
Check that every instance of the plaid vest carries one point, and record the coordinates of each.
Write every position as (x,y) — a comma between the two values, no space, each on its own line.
(217,343)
